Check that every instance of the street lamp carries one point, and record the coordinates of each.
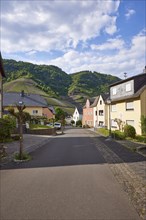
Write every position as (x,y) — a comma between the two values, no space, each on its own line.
(20,108)
(109,103)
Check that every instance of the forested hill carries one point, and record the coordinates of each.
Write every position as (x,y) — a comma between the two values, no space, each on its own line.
(55,82)
(50,79)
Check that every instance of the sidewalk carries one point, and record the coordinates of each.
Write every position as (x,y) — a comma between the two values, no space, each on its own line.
(30,143)
(132,153)
(128,167)
(133,146)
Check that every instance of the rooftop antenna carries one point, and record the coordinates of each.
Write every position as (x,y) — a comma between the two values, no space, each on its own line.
(125,75)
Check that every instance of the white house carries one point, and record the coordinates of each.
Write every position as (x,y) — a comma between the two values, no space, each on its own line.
(77,115)
(100,111)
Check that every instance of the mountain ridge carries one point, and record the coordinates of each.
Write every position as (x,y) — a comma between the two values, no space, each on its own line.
(54,82)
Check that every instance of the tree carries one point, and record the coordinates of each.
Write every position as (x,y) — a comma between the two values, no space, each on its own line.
(59,113)
(120,123)
(72,122)
(143,124)
(21,117)
(79,123)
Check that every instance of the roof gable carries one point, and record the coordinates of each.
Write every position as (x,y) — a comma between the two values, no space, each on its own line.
(135,78)
(10,99)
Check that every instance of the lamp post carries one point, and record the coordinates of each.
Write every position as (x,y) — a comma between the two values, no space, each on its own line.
(20,109)
(109,103)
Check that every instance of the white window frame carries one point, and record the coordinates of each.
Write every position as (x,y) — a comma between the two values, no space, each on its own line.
(101,114)
(114,91)
(128,87)
(130,122)
(35,112)
(113,123)
(129,106)
(113,108)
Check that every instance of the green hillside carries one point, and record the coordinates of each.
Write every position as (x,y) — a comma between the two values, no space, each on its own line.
(30,87)
(60,88)
(48,78)
(90,83)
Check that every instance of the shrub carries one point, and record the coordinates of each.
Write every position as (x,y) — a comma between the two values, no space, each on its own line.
(79,123)
(103,131)
(6,127)
(86,126)
(72,122)
(143,124)
(25,156)
(15,137)
(129,131)
(118,135)
(140,138)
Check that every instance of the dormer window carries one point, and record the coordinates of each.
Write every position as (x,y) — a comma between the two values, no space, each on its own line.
(114,91)
(100,102)
(128,87)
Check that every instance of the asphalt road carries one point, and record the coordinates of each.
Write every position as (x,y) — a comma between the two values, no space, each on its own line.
(67,179)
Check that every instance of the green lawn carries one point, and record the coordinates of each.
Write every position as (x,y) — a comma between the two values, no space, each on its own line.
(38,126)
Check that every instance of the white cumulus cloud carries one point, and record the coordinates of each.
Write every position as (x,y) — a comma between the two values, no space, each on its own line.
(54,25)
(129,13)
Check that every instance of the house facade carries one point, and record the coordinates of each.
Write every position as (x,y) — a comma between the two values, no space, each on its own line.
(35,104)
(49,112)
(95,115)
(88,113)
(128,102)
(2,74)
(77,115)
(100,111)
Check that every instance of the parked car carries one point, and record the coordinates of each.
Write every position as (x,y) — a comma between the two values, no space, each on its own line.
(50,124)
(57,125)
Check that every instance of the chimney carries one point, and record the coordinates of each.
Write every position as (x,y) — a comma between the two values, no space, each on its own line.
(22,93)
(144,70)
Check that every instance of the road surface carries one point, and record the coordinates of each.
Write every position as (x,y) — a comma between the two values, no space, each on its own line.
(67,179)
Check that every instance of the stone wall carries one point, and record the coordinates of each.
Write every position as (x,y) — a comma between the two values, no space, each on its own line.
(48,131)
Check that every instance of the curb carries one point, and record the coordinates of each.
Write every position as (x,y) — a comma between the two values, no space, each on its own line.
(28,149)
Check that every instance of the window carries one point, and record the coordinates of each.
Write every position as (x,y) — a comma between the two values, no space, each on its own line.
(101,112)
(100,123)
(100,102)
(114,91)
(128,87)
(113,108)
(35,112)
(129,106)
(96,113)
(113,123)
(130,122)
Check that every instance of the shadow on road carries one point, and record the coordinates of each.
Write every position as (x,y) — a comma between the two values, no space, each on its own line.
(71,151)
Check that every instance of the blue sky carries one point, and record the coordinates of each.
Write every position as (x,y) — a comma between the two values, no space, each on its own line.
(108,36)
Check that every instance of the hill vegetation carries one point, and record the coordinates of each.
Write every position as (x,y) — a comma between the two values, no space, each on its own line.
(66,90)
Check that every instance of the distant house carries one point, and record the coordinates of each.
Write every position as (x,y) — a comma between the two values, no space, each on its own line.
(128,101)
(2,74)
(88,118)
(35,104)
(100,111)
(68,119)
(77,115)
(49,112)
